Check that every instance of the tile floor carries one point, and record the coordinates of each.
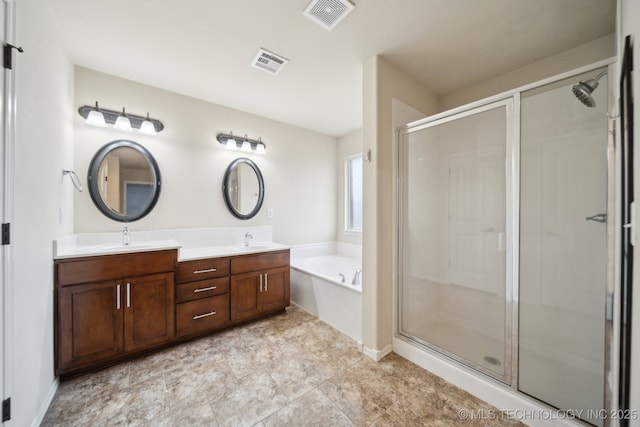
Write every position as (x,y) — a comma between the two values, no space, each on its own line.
(288,370)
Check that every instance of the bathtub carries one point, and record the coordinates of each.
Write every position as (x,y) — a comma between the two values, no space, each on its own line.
(317,286)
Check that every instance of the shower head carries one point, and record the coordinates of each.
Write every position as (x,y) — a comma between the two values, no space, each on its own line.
(583,90)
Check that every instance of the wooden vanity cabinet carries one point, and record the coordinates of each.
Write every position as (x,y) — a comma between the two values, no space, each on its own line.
(259,285)
(202,295)
(112,305)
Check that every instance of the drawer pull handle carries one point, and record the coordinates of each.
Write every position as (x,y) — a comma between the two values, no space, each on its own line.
(208,270)
(210,288)
(266,282)
(118,297)
(200,316)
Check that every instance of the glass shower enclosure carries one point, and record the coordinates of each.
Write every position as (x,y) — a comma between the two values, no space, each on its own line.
(502,241)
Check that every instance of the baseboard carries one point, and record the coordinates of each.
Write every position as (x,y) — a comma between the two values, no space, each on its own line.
(377,354)
(45,404)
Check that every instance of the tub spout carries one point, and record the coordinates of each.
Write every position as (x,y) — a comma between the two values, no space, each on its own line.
(356,278)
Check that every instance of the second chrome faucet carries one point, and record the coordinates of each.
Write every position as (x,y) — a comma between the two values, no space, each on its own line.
(126,236)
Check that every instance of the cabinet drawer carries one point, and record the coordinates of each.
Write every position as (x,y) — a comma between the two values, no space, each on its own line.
(106,267)
(189,271)
(247,263)
(202,314)
(202,289)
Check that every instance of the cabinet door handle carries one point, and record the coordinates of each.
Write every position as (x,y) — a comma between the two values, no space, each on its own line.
(118,297)
(260,282)
(266,282)
(210,288)
(200,316)
(207,270)
(128,295)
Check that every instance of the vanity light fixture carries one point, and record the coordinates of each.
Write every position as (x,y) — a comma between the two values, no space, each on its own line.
(97,116)
(244,144)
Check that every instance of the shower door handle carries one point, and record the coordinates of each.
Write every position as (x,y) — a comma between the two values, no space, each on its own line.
(632,223)
(602,218)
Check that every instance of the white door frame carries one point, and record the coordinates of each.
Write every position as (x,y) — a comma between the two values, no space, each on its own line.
(8,114)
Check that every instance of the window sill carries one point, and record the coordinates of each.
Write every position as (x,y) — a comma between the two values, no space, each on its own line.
(354,232)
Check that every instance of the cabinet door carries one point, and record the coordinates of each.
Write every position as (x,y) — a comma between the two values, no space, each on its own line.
(149,311)
(245,301)
(275,290)
(89,323)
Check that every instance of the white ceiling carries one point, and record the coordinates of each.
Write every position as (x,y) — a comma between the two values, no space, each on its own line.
(202,48)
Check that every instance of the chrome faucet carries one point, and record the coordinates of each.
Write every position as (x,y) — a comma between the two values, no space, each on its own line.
(356,278)
(126,236)
(247,237)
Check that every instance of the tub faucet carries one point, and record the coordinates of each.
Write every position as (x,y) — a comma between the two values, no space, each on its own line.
(247,237)
(341,277)
(126,236)
(356,278)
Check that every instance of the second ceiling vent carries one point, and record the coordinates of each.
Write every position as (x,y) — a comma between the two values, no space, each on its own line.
(268,61)
(328,13)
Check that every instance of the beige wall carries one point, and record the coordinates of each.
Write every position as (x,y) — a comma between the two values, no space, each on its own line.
(348,145)
(299,168)
(382,82)
(44,146)
(600,49)
(630,24)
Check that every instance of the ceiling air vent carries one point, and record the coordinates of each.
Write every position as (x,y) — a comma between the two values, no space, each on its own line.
(328,13)
(268,61)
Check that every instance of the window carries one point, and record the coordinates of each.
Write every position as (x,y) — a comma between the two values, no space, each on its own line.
(353,205)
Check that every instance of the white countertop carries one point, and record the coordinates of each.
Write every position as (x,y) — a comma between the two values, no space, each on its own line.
(187,254)
(191,244)
(77,251)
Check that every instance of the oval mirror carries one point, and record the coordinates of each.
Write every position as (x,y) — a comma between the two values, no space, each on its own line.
(124,181)
(243,188)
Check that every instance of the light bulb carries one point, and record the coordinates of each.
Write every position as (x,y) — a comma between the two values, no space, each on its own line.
(260,148)
(96,118)
(246,146)
(123,122)
(231,144)
(147,127)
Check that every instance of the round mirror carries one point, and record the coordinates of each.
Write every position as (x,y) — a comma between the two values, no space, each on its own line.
(124,180)
(243,188)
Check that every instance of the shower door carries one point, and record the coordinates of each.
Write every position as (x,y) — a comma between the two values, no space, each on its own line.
(563,247)
(504,241)
(454,237)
